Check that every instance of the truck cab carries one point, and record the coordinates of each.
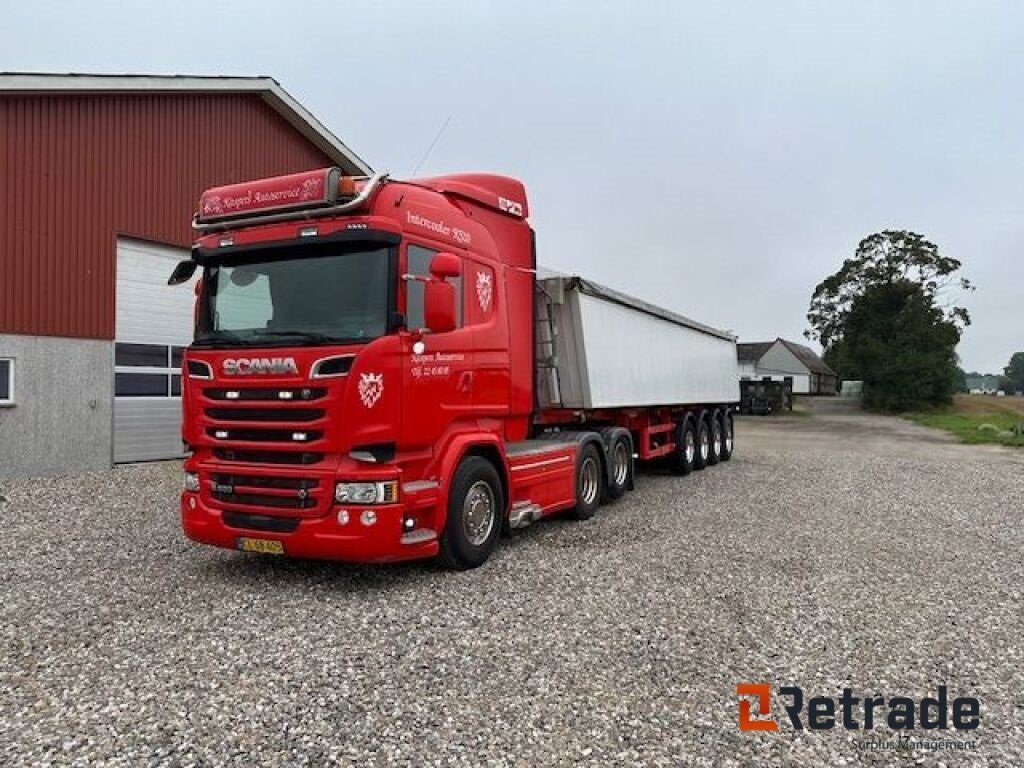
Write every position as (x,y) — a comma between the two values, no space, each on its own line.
(356,340)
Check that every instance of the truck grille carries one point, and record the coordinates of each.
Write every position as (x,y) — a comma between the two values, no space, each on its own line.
(273,492)
(264,414)
(273,442)
(250,435)
(267,457)
(279,394)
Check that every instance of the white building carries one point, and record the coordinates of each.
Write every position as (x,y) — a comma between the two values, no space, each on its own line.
(782,360)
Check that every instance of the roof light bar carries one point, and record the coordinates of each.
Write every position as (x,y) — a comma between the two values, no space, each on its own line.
(301,195)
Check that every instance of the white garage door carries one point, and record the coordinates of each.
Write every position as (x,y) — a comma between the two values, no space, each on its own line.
(154,324)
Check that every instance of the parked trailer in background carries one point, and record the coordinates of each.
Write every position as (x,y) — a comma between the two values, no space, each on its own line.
(379,374)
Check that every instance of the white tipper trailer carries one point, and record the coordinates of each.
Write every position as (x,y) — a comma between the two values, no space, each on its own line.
(600,348)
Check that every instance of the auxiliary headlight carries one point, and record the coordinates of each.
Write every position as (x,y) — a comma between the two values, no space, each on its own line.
(191,481)
(367,493)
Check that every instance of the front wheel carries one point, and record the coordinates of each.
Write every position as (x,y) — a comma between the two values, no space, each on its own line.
(475,507)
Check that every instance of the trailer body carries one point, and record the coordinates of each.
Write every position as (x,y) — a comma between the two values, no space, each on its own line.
(599,348)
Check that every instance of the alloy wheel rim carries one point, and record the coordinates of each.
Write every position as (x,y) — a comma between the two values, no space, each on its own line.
(620,463)
(478,513)
(589,481)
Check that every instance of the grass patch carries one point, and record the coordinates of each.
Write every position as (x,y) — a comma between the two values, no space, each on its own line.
(976,419)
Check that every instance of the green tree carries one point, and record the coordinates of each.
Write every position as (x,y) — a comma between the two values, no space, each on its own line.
(960,380)
(887,318)
(1014,372)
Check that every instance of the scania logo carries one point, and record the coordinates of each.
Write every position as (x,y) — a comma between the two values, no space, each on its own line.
(243,366)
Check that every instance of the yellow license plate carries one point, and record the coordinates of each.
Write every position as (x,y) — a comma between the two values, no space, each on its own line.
(263,546)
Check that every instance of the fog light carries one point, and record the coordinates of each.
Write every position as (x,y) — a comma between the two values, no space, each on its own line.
(231,394)
(408,523)
(284,394)
(299,437)
(191,482)
(222,434)
(342,517)
(369,517)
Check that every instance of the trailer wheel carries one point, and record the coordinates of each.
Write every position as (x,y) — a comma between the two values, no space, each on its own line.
(715,431)
(475,509)
(683,459)
(620,464)
(700,459)
(728,436)
(589,483)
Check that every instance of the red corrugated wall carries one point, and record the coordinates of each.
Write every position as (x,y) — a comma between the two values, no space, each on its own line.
(77,171)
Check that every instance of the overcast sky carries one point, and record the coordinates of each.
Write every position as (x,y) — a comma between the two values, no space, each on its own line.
(716,158)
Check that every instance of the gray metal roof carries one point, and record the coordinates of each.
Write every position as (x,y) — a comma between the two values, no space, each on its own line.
(266,88)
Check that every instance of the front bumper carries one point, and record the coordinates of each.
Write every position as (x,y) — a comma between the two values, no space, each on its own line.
(319,538)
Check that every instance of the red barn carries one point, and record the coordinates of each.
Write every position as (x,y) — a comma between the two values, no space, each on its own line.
(99,178)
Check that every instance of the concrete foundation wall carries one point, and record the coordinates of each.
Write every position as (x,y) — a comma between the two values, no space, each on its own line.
(62,418)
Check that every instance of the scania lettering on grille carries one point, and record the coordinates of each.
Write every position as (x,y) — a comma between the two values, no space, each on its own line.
(243,366)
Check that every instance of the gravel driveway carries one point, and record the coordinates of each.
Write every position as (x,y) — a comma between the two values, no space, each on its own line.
(835,549)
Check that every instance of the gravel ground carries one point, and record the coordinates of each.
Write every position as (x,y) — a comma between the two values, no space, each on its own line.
(836,549)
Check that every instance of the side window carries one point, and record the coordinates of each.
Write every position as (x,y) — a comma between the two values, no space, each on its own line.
(418,263)
(6,381)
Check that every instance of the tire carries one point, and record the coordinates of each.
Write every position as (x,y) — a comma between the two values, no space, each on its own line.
(476,507)
(620,467)
(728,436)
(715,431)
(682,459)
(589,483)
(700,459)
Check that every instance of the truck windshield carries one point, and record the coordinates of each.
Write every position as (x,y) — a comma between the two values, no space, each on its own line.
(336,297)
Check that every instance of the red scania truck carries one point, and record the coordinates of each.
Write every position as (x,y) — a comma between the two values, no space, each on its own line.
(380,372)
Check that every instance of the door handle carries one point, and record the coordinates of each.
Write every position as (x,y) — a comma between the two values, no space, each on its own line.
(465,381)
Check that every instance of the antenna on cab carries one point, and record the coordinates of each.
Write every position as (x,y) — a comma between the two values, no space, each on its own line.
(430,148)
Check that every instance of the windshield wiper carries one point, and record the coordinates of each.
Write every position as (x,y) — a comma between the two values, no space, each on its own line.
(222,337)
(311,336)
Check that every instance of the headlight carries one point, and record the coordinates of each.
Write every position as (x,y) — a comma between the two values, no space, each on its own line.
(191,481)
(366,493)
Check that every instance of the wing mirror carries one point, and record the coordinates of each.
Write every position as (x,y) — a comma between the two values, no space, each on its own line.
(439,295)
(182,272)
(439,306)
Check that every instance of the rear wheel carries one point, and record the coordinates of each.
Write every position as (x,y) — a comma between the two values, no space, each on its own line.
(683,459)
(715,427)
(589,483)
(620,460)
(475,507)
(728,438)
(700,460)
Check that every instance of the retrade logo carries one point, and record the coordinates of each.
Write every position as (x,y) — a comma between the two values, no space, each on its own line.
(822,713)
(243,366)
